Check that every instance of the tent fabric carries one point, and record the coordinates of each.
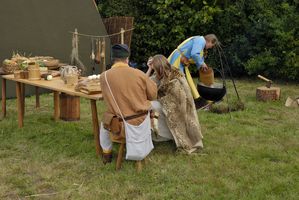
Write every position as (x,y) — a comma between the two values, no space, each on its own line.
(41,28)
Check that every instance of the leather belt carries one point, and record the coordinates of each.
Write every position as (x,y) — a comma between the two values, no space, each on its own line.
(134,116)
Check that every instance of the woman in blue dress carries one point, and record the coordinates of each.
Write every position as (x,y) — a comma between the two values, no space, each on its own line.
(192,50)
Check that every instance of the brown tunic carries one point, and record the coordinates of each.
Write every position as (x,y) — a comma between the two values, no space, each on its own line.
(132,89)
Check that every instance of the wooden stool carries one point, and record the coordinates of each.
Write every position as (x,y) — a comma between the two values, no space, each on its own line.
(121,150)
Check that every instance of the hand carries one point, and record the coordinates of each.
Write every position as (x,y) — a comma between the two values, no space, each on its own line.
(204,67)
(150,63)
(150,66)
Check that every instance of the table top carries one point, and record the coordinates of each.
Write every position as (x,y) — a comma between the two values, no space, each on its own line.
(56,84)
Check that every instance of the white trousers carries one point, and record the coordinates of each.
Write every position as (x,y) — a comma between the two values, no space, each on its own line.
(105,140)
(163,133)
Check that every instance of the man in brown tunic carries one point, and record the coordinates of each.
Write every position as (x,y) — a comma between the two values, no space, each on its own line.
(132,90)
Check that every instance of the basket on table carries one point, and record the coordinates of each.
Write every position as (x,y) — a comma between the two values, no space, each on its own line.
(51,64)
(47,61)
(9,66)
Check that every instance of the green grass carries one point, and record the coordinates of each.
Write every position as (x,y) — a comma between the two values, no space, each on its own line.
(250,154)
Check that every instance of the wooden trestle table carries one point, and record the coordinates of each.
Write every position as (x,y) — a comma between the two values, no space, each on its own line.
(57,86)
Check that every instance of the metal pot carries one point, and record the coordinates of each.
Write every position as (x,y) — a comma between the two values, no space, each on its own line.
(213,92)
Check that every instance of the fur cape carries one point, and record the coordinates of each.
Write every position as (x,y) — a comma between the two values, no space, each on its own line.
(178,106)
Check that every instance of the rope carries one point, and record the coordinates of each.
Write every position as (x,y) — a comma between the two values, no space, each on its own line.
(101,36)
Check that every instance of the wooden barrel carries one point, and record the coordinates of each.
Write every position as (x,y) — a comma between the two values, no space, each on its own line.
(69,107)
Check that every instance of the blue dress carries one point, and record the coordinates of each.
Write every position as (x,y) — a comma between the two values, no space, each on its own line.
(193,49)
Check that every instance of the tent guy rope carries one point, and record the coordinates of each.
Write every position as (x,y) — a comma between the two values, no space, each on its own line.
(102,36)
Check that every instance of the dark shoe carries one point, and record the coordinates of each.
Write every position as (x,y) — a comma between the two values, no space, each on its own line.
(200,103)
(107,158)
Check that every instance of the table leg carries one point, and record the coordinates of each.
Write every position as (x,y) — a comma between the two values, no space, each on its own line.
(4,97)
(37,104)
(19,103)
(56,106)
(95,123)
(23,98)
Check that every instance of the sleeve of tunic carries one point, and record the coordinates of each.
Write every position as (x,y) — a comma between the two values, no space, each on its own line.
(197,50)
(151,89)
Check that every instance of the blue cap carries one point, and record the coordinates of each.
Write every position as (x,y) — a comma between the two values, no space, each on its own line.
(120,51)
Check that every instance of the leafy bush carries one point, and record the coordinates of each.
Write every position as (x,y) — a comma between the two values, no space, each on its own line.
(261,36)
(258,36)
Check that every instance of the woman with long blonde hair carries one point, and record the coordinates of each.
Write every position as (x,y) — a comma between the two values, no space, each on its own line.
(177,113)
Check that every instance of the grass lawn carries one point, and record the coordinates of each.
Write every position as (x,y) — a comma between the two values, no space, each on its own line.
(250,154)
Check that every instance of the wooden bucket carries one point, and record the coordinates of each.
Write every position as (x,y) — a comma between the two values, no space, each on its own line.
(69,107)
(206,77)
(34,72)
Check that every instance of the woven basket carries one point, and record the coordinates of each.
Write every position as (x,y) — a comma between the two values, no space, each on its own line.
(9,67)
(51,63)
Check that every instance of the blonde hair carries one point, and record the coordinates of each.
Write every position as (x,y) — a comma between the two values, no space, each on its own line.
(161,66)
(213,39)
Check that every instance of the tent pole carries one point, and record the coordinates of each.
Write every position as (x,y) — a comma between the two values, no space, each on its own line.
(122,36)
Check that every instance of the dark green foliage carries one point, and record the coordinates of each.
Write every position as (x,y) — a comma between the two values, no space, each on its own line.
(258,36)
(160,25)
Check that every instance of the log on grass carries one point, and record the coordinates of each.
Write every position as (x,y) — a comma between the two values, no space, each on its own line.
(267,94)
